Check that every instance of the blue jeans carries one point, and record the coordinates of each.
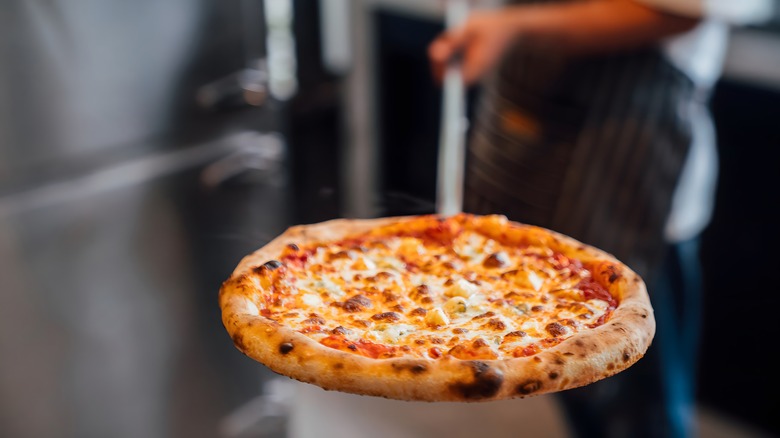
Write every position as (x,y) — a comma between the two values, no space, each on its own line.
(656,397)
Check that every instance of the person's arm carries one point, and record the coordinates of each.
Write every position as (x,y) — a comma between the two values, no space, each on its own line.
(581,28)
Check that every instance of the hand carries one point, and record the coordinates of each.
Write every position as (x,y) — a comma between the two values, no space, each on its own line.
(482,40)
(571,28)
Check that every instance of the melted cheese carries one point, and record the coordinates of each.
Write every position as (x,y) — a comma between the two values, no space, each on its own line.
(412,295)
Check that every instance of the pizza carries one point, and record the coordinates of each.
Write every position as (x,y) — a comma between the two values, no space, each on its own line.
(462,308)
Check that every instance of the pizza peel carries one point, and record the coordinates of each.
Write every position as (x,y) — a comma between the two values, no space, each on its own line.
(452,134)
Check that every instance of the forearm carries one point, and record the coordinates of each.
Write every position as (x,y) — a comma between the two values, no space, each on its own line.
(594,26)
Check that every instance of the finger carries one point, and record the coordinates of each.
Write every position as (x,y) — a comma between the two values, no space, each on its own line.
(476,60)
(442,49)
(435,58)
(439,51)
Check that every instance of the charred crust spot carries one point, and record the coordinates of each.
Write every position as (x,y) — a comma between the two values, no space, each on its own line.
(511,295)
(421,293)
(452,266)
(559,361)
(610,366)
(352,347)
(553,375)
(293,246)
(537,308)
(286,347)
(496,324)
(528,387)
(579,343)
(570,323)
(556,329)
(516,333)
(479,343)
(537,359)
(338,365)
(340,331)
(496,260)
(314,319)
(386,316)
(238,340)
(371,290)
(379,276)
(390,297)
(484,315)
(568,353)
(272,264)
(418,312)
(356,304)
(486,382)
(613,277)
(338,255)
(644,315)
(626,356)
(418,368)
(414,368)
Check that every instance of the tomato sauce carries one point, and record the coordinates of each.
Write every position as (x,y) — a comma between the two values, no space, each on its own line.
(362,347)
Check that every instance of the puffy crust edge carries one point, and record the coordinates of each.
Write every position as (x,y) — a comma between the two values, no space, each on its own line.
(577,361)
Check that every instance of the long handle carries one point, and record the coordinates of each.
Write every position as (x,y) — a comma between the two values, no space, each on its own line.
(452,137)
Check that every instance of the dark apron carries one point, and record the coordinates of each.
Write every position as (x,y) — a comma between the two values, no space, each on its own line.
(590,147)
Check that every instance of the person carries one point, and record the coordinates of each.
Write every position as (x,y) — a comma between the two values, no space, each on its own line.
(592,121)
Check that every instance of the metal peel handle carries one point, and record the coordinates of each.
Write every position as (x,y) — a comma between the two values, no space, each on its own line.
(452,137)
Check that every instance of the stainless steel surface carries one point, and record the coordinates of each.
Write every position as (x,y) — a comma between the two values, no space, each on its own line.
(109,324)
(122,209)
(754,58)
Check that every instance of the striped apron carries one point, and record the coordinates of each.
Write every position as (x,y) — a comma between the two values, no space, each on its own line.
(589,147)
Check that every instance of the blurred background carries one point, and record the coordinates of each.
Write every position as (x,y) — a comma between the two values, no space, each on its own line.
(146,146)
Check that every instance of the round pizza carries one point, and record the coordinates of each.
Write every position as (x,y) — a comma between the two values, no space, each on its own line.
(462,308)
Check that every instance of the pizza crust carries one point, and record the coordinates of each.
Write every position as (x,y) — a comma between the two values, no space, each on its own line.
(582,359)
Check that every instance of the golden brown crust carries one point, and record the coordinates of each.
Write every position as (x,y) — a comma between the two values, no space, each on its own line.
(580,360)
